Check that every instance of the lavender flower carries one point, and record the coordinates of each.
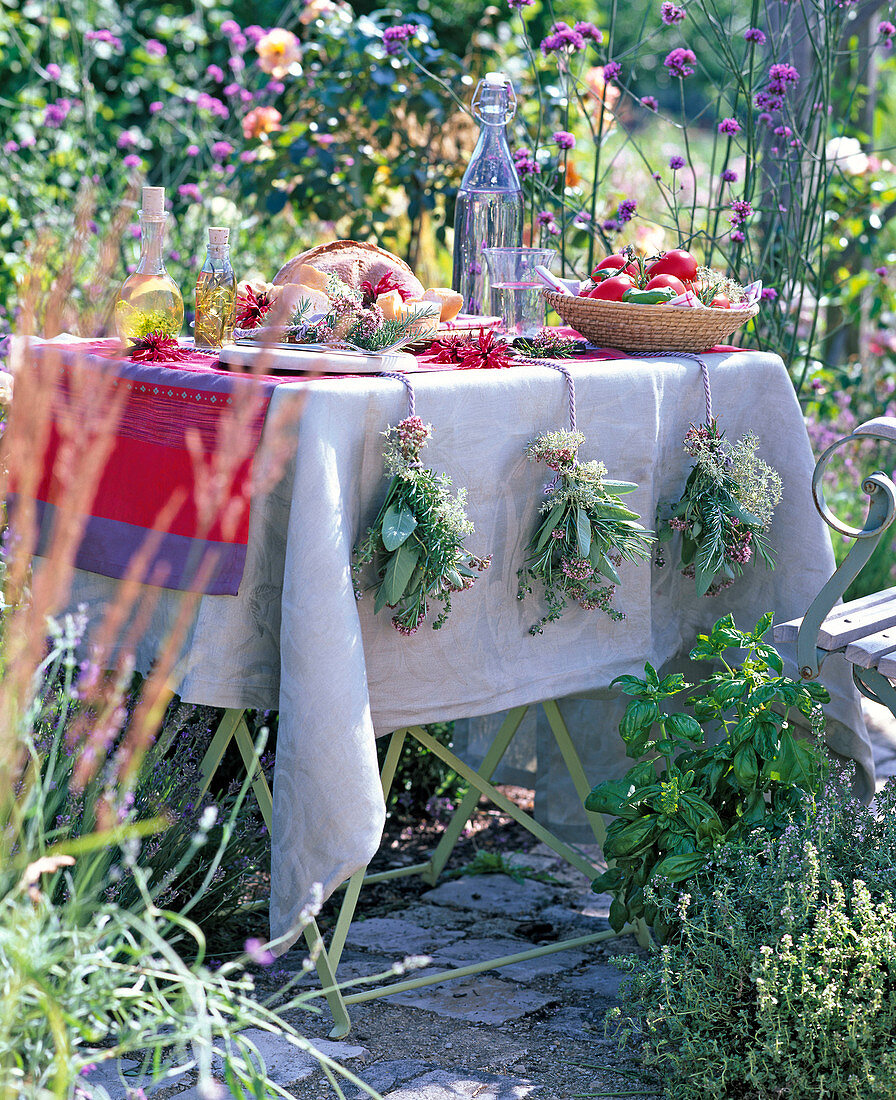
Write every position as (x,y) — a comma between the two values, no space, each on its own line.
(254,33)
(729,126)
(564,139)
(670,14)
(680,62)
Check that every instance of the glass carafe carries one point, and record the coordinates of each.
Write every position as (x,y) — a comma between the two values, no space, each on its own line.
(149,300)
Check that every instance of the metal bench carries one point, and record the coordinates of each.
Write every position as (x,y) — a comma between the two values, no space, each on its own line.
(863,630)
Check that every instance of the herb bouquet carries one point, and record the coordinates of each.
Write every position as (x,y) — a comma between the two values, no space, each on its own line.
(416,543)
(585,531)
(726,508)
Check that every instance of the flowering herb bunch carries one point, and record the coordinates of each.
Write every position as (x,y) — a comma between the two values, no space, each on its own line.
(416,543)
(725,511)
(549,344)
(348,320)
(673,812)
(584,534)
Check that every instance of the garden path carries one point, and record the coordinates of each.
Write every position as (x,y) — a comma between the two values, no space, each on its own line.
(532,1029)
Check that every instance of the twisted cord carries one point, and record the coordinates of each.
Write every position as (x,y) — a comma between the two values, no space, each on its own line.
(704,371)
(412,400)
(570,384)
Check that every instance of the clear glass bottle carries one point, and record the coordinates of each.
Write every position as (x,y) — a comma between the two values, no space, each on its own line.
(149,300)
(215,294)
(489,209)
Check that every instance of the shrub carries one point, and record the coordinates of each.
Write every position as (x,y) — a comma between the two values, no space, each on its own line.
(780,980)
(672,811)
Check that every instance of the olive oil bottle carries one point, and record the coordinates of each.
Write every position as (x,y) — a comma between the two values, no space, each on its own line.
(149,300)
(215,294)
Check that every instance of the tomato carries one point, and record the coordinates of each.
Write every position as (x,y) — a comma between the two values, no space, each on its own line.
(615,262)
(675,262)
(660,281)
(721,301)
(611,290)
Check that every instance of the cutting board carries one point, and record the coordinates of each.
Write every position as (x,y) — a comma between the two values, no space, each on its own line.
(286,359)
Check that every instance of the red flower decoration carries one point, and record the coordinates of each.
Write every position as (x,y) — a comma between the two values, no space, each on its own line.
(486,351)
(386,283)
(446,349)
(157,347)
(251,308)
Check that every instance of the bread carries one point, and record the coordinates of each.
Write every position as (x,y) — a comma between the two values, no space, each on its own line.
(450,301)
(354,262)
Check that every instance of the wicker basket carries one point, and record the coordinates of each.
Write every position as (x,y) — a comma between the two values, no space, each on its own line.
(631,327)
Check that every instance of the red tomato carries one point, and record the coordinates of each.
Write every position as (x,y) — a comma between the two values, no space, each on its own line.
(611,290)
(615,262)
(675,262)
(721,301)
(659,281)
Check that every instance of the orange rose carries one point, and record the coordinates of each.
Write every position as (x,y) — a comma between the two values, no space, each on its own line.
(277,51)
(261,120)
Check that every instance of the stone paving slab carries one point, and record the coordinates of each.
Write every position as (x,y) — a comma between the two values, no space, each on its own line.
(481,999)
(478,950)
(398,938)
(600,979)
(493,894)
(443,1084)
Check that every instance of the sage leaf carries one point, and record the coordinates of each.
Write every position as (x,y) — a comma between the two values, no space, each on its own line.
(398,572)
(583,532)
(398,523)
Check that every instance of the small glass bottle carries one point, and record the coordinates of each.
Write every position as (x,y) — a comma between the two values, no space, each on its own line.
(215,294)
(149,300)
(489,210)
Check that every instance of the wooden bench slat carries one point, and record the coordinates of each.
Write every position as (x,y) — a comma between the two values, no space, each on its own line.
(867,652)
(886,666)
(848,622)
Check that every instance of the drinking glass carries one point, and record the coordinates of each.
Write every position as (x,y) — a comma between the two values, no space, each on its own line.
(516,288)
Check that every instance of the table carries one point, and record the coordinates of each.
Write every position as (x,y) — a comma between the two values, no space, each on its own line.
(296,640)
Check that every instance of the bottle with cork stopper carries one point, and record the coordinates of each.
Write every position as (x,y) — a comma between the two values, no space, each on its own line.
(149,300)
(215,293)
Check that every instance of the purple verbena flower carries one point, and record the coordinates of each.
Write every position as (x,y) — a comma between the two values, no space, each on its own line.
(783,74)
(131,161)
(221,150)
(564,139)
(754,34)
(517,5)
(729,126)
(589,31)
(230,27)
(729,175)
(106,36)
(190,191)
(680,62)
(650,102)
(766,102)
(881,271)
(544,217)
(156,106)
(254,33)
(54,72)
(215,72)
(612,69)
(676,162)
(670,14)
(737,235)
(206,102)
(769,294)
(192,150)
(562,37)
(56,113)
(626,210)
(394,36)
(155,48)
(741,209)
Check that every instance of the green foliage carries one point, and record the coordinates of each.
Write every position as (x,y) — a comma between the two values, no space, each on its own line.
(424,785)
(781,978)
(584,533)
(416,543)
(684,799)
(724,511)
(496,863)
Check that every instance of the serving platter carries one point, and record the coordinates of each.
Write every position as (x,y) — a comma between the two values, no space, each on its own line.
(295,359)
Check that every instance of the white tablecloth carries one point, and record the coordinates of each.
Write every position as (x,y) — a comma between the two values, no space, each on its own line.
(295,639)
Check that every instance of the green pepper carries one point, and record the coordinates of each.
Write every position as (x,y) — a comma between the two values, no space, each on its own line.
(649,297)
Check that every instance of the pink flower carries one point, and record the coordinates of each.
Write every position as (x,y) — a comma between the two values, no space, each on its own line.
(105,36)
(277,51)
(257,952)
(53,71)
(680,62)
(670,14)
(254,33)
(650,102)
(56,113)
(393,37)
(564,139)
(192,150)
(221,150)
(729,126)
(156,106)
(229,28)
(215,72)
(131,161)
(155,48)
(190,191)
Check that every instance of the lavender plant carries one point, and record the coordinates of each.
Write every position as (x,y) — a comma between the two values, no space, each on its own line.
(417,542)
(725,510)
(780,979)
(585,532)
